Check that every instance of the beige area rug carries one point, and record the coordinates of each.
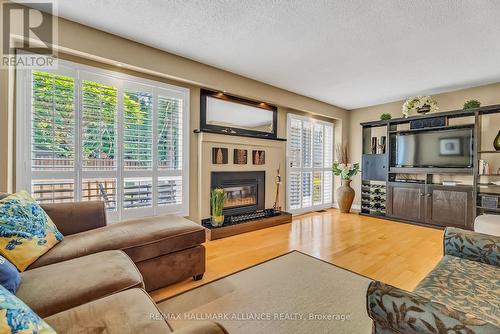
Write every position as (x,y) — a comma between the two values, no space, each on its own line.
(293,293)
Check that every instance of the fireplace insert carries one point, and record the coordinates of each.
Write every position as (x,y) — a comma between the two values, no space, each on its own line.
(245,191)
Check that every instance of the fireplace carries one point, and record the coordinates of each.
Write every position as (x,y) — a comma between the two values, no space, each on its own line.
(245,191)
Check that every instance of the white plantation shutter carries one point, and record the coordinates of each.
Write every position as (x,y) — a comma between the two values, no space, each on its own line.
(99,107)
(306,144)
(170,150)
(295,191)
(306,189)
(99,154)
(309,156)
(295,142)
(318,145)
(328,162)
(52,137)
(169,133)
(99,135)
(138,131)
(327,186)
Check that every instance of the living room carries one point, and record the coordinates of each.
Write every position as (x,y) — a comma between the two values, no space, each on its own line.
(249,167)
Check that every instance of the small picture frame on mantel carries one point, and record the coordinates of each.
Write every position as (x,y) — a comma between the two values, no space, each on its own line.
(258,157)
(219,156)
(240,157)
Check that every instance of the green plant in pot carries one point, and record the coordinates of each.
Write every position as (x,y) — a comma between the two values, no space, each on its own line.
(346,171)
(385,116)
(217,197)
(471,104)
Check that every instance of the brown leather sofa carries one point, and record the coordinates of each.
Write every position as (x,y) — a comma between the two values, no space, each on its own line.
(128,312)
(166,249)
(91,281)
(98,293)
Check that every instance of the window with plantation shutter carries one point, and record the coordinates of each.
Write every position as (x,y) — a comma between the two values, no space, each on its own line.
(309,156)
(52,131)
(88,134)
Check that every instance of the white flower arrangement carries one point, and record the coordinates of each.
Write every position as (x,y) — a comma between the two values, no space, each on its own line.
(412,104)
(345,171)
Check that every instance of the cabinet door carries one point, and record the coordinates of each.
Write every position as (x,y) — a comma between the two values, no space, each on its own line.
(449,206)
(374,167)
(406,201)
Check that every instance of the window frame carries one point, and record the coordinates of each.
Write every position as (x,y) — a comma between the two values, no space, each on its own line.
(123,82)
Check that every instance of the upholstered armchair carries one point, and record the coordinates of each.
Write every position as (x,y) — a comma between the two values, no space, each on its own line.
(460,295)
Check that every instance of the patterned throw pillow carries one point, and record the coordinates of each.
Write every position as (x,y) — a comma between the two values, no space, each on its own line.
(9,276)
(16,317)
(26,231)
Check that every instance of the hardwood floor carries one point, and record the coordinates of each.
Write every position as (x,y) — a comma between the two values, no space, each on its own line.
(395,253)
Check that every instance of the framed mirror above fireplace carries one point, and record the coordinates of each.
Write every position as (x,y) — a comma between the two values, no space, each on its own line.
(231,115)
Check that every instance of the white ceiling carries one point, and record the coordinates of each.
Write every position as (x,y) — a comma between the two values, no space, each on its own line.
(350,53)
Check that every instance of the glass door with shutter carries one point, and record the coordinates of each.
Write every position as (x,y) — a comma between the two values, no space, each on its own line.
(309,164)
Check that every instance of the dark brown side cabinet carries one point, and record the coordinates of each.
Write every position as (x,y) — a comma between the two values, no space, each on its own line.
(406,201)
(431,204)
(449,206)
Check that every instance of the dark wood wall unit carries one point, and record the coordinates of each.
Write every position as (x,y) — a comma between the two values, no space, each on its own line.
(426,203)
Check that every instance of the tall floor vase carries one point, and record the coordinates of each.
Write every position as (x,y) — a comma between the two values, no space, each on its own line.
(345,195)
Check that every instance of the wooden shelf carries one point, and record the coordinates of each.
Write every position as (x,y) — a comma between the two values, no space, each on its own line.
(488,209)
(431,170)
(465,126)
(450,114)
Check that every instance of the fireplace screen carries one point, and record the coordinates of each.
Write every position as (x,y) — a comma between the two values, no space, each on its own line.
(240,196)
(245,191)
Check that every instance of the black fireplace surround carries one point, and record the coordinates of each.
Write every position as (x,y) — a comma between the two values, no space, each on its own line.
(245,191)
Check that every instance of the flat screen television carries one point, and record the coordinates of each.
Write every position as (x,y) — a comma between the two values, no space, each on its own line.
(435,148)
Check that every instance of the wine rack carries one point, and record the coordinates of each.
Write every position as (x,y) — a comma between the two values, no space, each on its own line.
(373,194)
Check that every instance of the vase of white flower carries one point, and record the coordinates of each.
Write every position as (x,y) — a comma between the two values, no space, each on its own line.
(419,104)
(345,194)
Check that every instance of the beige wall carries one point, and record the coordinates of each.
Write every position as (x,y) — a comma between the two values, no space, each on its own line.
(83,42)
(487,95)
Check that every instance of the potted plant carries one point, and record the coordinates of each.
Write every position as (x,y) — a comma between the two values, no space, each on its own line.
(471,104)
(346,171)
(419,104)
(217,197)
(385,116)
